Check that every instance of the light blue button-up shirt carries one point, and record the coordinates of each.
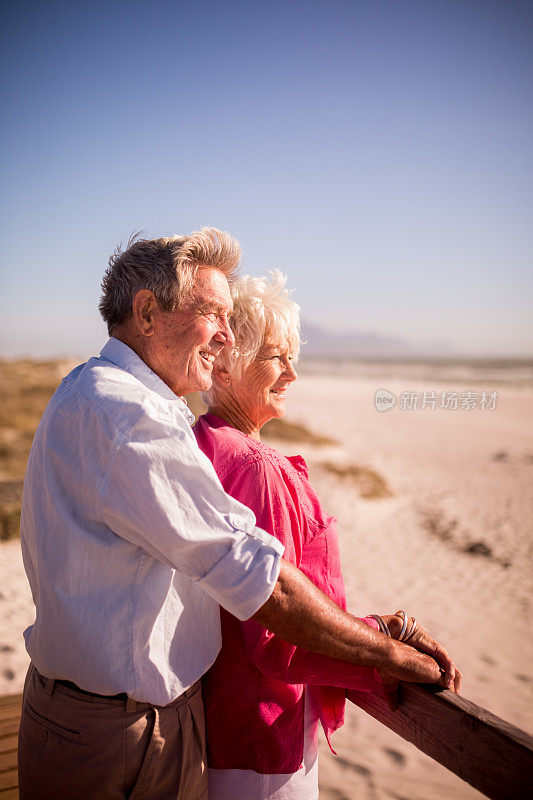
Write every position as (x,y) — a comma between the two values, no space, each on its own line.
(129,541)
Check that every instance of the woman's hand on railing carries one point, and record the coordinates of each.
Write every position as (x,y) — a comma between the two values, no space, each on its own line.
(422,641)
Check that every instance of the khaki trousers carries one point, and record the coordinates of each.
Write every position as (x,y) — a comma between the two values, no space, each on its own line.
(78,746)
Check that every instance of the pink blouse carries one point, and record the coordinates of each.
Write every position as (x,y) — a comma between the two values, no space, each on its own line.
(253,693)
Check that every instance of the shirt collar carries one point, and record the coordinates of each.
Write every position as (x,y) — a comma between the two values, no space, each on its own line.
(127,359)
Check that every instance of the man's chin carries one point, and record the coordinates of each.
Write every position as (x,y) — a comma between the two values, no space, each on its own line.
(198,383)
(204,383)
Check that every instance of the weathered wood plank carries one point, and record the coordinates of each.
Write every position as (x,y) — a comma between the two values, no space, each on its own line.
(490,754)
(9,726)
(10,708)
(9,742)
(9,712)
(9,794)
(8,758)
(10,701)
(9,779)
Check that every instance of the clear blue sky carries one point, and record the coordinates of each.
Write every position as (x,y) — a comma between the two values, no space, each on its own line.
(378,151)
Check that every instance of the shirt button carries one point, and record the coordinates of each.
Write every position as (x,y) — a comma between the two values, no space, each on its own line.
(45,735)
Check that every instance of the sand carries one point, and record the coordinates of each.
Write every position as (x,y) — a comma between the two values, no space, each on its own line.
(457,479)
(452,487)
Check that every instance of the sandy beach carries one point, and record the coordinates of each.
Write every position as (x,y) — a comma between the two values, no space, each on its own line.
(457,478)
(435,510)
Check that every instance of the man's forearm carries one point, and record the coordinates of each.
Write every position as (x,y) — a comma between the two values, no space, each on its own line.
(300,613)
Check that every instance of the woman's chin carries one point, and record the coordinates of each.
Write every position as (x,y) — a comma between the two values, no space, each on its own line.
(278,411)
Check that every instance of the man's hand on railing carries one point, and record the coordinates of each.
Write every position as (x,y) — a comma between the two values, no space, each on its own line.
(408,665)
(424,643)
(411,665)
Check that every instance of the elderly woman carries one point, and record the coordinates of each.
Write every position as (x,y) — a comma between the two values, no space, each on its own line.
(263,697)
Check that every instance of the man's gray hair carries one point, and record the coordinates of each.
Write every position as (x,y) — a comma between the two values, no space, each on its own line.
(166,266)
(262,311)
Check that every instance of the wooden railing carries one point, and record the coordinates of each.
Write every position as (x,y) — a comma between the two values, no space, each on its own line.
(485,751)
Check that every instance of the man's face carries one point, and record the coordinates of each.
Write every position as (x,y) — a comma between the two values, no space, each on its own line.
(187,340)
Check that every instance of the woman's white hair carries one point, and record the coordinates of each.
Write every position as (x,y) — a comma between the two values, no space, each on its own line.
(262,311)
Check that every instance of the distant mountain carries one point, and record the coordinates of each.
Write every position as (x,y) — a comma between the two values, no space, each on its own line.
(366,344)
(321,342)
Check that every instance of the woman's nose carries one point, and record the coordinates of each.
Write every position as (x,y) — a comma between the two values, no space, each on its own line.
(290,371)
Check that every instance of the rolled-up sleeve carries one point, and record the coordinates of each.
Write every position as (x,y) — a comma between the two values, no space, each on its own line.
(162,494)
(228,582)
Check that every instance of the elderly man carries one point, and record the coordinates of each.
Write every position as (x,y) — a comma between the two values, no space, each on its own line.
(130,544)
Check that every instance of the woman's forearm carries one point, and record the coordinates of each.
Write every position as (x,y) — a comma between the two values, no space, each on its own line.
(300,613)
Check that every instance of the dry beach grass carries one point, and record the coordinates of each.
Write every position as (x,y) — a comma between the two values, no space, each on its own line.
(434,514)
(25,388)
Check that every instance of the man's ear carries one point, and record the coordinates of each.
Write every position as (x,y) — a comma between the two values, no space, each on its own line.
(144,307)
(220,377)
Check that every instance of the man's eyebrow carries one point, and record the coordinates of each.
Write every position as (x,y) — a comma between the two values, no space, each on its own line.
(210,308)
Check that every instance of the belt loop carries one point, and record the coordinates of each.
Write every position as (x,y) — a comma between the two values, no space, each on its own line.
(49,685)
(131,705)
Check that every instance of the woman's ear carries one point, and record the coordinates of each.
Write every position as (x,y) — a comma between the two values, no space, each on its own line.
(221,377)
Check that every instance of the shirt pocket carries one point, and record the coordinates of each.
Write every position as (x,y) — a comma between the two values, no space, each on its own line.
(315,561)
(321,560)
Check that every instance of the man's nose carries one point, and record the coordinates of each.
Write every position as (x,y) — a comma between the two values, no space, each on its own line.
(226,332)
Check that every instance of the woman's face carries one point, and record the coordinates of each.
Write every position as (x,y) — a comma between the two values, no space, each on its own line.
(262,389)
